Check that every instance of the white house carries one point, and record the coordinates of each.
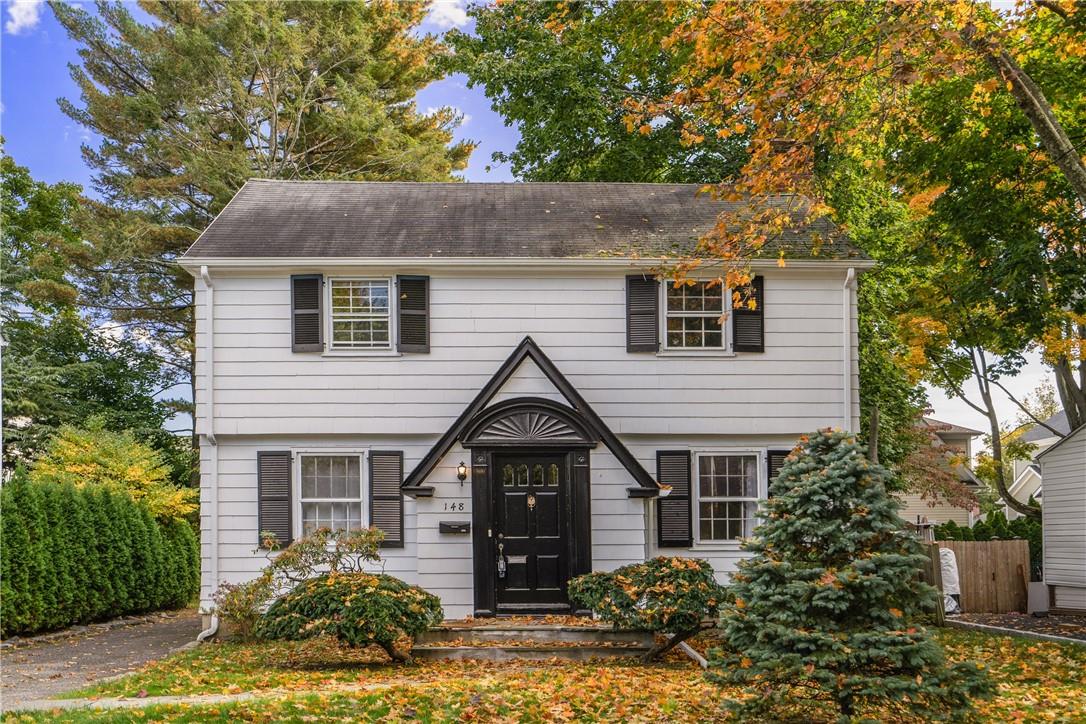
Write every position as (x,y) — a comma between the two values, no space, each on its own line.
(959,440)
(1063,468)
(357,342)
(1027,473)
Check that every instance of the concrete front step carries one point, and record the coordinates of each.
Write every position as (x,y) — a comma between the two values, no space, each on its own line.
(524,652)
(541,634)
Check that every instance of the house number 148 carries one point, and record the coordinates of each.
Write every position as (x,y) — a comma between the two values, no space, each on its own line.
(454,506)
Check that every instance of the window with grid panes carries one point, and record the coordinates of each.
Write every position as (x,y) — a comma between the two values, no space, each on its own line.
(360,314)
(331,492)
(727,496)
(694,314)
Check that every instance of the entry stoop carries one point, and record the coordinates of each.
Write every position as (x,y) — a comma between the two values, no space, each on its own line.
(527,641)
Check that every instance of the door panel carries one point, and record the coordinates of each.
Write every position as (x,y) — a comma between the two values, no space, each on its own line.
(532,522)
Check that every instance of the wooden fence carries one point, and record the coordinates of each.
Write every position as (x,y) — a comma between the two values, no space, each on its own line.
(993,575)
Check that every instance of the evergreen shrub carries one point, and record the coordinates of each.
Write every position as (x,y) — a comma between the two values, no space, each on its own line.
(73,555)
(826,618)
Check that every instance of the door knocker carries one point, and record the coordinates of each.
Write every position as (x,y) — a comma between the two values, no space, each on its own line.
(531,501)
(501,560)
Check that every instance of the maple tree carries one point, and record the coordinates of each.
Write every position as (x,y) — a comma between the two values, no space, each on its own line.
(826,609)
(967,115)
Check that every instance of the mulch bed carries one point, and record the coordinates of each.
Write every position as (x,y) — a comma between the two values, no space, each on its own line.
(1072,627)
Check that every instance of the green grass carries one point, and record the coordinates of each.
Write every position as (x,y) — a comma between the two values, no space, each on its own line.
(1036,681)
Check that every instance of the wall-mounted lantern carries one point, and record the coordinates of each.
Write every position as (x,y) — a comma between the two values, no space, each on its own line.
(462,472)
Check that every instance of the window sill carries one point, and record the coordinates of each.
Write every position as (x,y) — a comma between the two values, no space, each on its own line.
(719,547)
(703,353)
(361,353)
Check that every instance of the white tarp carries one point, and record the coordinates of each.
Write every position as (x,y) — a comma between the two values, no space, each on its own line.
(948,565)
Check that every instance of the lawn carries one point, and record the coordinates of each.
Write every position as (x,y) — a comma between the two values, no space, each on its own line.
(318,680)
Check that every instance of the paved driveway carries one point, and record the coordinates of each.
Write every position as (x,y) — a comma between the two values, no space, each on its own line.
(40,670)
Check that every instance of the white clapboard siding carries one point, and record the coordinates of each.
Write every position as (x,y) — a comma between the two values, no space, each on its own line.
(1063,475)
(268,398)
(914,507)
(261,387)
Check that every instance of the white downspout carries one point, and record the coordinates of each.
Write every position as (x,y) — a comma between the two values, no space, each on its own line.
(846,348)
(213,449)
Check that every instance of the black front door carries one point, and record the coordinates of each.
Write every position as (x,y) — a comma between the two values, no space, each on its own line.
(531,516)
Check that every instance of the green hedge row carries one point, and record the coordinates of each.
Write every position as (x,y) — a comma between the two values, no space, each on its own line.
(71,555)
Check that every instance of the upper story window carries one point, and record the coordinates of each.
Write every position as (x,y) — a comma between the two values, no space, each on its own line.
(360,314)
(727,488)
(331,492)
(693,314)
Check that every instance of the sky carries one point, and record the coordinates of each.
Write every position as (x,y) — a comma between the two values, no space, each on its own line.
(35,53)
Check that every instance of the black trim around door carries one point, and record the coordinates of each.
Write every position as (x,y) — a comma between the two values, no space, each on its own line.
(577,524)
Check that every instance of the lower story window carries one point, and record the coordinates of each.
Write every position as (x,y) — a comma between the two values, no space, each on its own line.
(727,496)
(331,492)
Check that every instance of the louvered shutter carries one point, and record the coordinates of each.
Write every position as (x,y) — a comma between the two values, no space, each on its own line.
(273,496)
(414,314)
(642,314)
(305,302)
(748,324)
(673,512)
(386,498)
(774,463)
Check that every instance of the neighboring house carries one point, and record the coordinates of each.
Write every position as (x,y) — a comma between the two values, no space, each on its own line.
(357,342)
(1063,467)
(1027,473)
(918,510)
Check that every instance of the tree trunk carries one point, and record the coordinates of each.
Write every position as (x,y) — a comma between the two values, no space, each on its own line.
(662,648)
(1035,106)
(1072,396)
(997,455)
(873,436)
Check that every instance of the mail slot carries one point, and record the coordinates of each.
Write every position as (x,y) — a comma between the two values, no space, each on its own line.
(452,526)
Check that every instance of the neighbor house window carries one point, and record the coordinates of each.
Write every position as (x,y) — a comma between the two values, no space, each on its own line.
(331,492)
(693,316)
(361,314)
(727,487)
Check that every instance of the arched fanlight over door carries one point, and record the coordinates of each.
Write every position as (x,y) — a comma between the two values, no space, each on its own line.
(531,422)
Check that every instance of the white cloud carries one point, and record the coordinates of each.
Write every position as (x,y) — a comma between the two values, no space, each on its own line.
(23,15)
(447,14)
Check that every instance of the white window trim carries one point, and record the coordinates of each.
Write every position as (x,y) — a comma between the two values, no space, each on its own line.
(695,497)
(393,295)
(726,330)
(296,481)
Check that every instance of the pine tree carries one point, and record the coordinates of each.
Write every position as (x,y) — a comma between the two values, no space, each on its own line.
(826,609)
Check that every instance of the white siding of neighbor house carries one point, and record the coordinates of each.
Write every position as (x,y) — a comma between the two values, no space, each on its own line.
(913,506)
(1063,470)
(268,398)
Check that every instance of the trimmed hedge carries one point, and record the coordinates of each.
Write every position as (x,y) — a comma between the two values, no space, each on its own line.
(72,555)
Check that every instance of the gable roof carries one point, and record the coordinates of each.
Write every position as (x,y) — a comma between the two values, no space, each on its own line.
(949,428)
(1040,432)
(528,349)
(1080,430)
(354,219)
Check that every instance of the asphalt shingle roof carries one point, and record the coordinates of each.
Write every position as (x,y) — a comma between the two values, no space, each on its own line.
(544,220)
(1040,432)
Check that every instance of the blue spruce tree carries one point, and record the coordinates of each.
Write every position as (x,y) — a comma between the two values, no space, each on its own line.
(825,620)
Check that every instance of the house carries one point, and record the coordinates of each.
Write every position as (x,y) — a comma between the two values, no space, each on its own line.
(1027,473)
(959,440)
(492,375)
(1063,468)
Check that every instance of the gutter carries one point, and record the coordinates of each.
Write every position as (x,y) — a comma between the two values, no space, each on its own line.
(213,450)
(846,347)
(300,263)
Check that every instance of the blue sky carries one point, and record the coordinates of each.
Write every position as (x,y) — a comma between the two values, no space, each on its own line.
(35,53)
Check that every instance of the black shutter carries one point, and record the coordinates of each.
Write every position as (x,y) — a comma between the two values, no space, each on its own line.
(414,320)
(774,463)
(673,512)
(386,498)
(273,496)
(748,323)
(305,303)
(642,314)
